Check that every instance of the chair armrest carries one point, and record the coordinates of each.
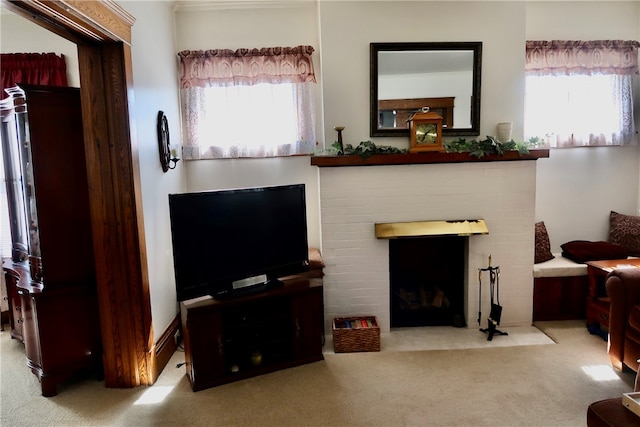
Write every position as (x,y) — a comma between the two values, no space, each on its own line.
(623,289)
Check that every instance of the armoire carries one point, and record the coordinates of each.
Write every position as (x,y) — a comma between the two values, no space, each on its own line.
(50,276)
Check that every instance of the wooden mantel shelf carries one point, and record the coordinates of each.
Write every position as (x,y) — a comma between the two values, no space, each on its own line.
(422,158)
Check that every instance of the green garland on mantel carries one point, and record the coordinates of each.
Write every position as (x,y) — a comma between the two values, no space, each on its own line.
(475,148)
(489,146)
(365,149)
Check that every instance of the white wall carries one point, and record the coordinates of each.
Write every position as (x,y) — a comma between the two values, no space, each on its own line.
(155,79)
(19,35)
(347,28)
(578,187)
(291,24)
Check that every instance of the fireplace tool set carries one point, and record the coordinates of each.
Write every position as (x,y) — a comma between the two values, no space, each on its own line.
(496,308)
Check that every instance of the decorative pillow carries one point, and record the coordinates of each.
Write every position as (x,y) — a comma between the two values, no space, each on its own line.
(624,230)
(543,246)
(583,251)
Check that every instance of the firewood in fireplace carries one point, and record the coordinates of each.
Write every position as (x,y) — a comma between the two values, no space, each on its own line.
(438,297)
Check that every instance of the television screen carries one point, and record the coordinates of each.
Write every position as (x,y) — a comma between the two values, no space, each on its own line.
(229,241)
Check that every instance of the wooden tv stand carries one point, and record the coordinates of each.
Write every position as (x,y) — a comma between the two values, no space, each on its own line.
(233,339)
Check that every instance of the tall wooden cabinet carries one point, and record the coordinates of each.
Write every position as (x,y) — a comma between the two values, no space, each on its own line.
(50,276)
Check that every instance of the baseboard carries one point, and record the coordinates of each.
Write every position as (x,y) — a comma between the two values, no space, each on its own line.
(165,347)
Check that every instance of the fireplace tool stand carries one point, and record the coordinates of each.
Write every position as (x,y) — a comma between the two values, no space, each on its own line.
(496,308)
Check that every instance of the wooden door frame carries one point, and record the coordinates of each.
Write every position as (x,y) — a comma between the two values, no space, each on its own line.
(102,32)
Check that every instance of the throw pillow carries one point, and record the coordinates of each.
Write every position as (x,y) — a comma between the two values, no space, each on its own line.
(543,246)
(624,230)
(583,251)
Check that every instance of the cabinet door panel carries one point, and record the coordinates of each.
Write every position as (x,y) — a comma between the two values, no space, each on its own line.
(206,352)
(308,321)
(30,332)
(15,306)
(64,342)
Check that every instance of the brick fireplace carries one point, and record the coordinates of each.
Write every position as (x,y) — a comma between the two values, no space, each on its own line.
(354,198)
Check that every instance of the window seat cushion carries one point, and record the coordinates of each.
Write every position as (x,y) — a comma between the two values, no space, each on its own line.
(559,266)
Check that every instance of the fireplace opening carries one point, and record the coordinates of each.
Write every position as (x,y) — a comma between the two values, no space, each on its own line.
(427,281)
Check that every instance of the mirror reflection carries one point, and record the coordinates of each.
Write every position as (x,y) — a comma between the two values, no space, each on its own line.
(442,76)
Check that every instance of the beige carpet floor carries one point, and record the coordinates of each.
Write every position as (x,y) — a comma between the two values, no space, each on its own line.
(518,385)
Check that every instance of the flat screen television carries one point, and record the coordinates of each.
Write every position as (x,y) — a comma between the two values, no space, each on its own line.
(231,242)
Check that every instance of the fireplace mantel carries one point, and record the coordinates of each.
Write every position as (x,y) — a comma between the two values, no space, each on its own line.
(422,158)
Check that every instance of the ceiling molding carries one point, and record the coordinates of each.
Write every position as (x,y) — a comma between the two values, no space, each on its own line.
(195,5)
(96,20)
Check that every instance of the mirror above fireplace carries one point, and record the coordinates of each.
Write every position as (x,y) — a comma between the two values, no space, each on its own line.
(444,76)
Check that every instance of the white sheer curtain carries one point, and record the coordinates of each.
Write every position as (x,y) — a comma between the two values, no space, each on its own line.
(261,120)
(579,93)
(248,102)
(573,111)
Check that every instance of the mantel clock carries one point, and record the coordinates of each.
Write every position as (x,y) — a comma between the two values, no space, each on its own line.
(425,130)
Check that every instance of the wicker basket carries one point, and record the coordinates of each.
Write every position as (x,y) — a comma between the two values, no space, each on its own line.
(350,335)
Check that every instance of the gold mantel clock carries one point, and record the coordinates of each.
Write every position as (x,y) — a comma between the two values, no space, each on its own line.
(426,131)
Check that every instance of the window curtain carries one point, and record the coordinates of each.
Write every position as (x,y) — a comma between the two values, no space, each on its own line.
(567,57)
(560,58)
(33,68)
(202,69)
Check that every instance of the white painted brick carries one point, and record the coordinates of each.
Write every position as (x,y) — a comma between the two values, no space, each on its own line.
(353,199)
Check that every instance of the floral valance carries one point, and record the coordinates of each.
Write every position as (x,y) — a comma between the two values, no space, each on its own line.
(225,67)
(568,57)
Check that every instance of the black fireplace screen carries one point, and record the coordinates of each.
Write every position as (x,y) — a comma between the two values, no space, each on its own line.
(427,281)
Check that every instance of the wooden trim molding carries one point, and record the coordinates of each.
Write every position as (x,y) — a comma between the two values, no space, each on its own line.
(77,20)
(102,31)
(166,346)
(108,19)
(422,158)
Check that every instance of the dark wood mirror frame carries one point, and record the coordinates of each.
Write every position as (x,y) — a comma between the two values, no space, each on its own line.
(475,47)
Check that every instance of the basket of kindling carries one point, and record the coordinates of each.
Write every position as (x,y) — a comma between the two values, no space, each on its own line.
(354,334)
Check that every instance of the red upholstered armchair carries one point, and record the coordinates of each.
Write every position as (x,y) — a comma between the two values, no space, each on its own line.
(623,289)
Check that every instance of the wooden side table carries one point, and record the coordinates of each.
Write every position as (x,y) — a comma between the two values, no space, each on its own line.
(597,299)
(610,412)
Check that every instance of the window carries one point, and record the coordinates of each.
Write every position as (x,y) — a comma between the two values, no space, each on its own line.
(579,110)
(252,121)
(247,103)
(580,93)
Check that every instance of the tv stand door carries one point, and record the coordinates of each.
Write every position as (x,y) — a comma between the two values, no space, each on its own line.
(204,345)
(308,333)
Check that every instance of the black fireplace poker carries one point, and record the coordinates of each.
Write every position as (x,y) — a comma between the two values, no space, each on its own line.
(496,309)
